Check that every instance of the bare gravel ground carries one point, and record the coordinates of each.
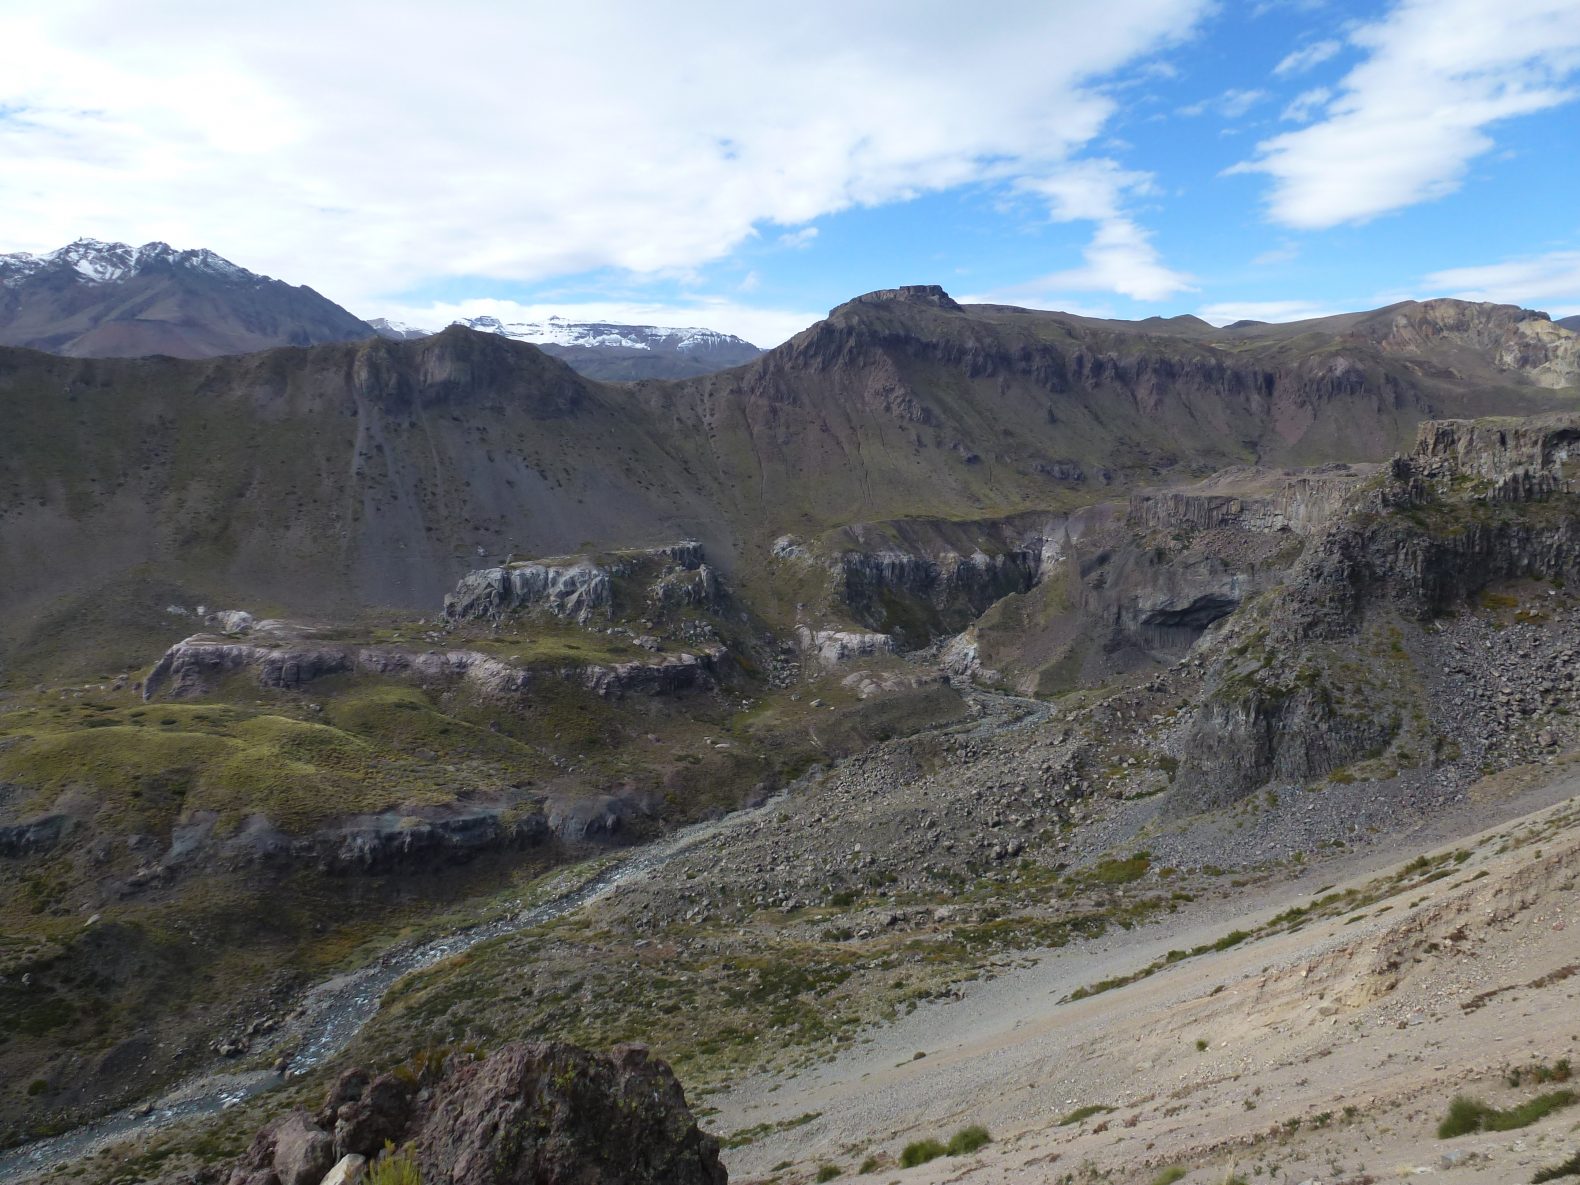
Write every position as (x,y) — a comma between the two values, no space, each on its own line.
(1332,1050)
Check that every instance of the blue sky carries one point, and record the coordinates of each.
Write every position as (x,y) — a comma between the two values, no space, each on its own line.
(749,167)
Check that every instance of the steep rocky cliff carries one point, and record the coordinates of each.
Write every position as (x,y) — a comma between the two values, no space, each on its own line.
(1330,667)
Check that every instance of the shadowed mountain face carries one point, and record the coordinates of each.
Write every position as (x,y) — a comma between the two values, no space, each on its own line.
(373,473)
(108,300)
(1572,324)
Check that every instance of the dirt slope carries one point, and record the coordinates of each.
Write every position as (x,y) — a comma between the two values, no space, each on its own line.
(1332,1049)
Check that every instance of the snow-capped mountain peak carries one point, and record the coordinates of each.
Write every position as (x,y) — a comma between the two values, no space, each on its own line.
(557,331)
(96,262)
(605,350)
(397,330)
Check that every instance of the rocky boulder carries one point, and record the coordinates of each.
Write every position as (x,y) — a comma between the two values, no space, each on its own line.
(531,1114)
(548,1113)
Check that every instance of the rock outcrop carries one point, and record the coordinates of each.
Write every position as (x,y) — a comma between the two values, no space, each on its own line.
(582,588)
(830,648)
(1498,449)
(195,665)
(538,1114)
(398,842)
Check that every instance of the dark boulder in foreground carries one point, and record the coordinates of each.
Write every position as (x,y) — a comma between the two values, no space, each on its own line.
(531,1114)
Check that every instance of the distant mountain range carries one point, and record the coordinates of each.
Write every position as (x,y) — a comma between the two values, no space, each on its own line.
(92,299)
(609,351)
(97,299)
(109,300)
(372,472)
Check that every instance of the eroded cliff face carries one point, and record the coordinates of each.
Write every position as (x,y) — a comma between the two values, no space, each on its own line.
(1329,667)
(919,597)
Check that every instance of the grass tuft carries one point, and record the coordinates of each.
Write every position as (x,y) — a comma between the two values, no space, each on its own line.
(1466,1115)
(1569,1168)
(393,1168)
(920,1152)
(968,1140)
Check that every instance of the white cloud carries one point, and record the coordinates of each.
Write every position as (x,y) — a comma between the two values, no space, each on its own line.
(1550,282)
(798,240)
(368,148)
(1285,252)
(1087,190)
(761,327)
(1228,312)
(1306,57)
(1231,104)
(1305,106)
(1411,117)
(1120,258)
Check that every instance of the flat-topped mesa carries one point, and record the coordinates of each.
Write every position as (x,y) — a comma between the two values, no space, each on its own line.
(1498,449)
(925,294)
(581,587)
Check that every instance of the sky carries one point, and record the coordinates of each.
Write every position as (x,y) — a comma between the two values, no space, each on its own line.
(749,166)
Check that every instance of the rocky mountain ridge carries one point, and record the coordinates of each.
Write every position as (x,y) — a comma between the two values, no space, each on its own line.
(400,464)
